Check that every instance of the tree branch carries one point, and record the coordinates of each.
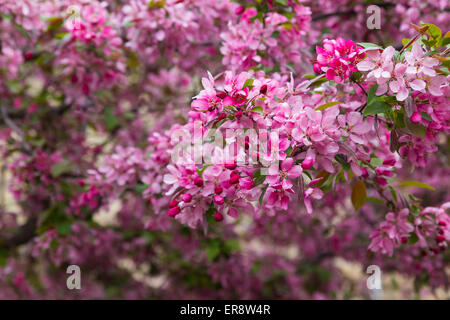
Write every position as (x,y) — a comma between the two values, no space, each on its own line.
(23,234)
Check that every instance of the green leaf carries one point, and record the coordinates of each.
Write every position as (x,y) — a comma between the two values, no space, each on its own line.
(128,24)
(376,107)
(6,16)
(393,193)
(368,45)
(309,76)
(22,31)
(405,41)
(111,121)
(374,200)
(4,255)
(148,236)
(248,83)
(281,2)
(327,105)
(322,174)
(446,39)
(413,239)
(140,187)
(359,194)
(52,217)
(54,23)
(429,53)
(209,215)
(416,129)
(200,171)
(416,184)
(258,177)
(426,116)
(129,115)
(275,34)
(413,198)
(156,4)
(14,86)
(399,118)
(64,228)
(261,197)
(315,82)
(435,34)
(371,94)
(232,245)
(61,167)
(212,251)
(342,159)
(258,110)
(375,162)
(61,35)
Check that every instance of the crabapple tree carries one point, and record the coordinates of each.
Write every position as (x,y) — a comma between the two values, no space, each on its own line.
(222,149)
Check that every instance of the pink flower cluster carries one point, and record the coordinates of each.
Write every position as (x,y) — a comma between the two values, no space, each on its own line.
(338,59)
(431,227)
(280,37)
(97,116)
(393,232)
(416,73)
(307,139)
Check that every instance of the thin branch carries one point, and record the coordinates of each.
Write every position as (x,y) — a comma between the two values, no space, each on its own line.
(16,129)
(23,235)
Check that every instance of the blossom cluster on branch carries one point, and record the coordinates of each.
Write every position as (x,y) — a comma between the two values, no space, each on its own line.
(222,149)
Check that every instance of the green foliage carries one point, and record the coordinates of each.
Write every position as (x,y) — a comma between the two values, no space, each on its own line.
(327,105)
(342,159)
(217,246)
(416,184)
(60,168)
(368,45)
(258,178)
(111,121)
(375,105)
(435,35)
(359,194)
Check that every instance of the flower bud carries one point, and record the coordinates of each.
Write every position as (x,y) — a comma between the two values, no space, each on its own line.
(221,95)
(187,197)
(173,203)
(365,173)
(381,181)
(218,189)
(307,163)
(218,216)
(415,117)
(198,182)
(389,162)
(174,211)
(234,179)
(239,10)
(231,166)
(263,89)
(28,55)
